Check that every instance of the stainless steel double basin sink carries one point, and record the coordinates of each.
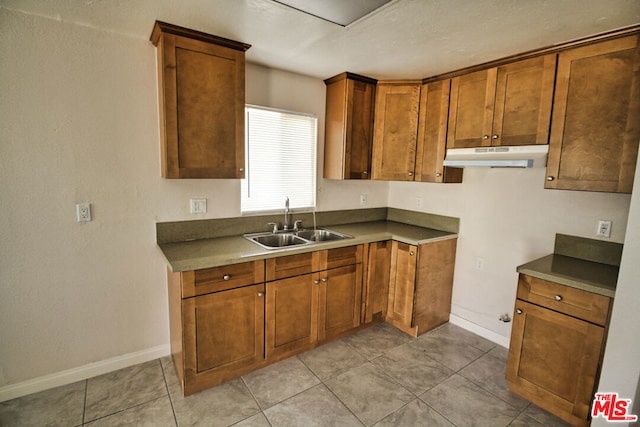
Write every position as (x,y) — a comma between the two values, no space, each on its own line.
(287,238)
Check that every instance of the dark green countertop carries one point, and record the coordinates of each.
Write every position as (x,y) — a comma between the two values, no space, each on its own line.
(578,273)
(213,252)
(587,264)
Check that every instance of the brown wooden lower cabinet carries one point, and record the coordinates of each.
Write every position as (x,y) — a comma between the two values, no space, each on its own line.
(292,313)
(556,348)
(420,285)
(230,320)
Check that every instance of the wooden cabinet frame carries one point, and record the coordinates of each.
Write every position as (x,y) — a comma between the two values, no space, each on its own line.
(202,94)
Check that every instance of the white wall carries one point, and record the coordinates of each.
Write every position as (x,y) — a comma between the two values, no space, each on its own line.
(621,365)
(507,219)
(79,123)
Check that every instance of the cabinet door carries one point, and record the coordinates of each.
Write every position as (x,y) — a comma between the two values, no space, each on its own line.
(434,284)
(377,281)
(432,135)
(471,109)
(553,360)
(349,127)
(291,315)
(595,127)
(524,95)
(201,108)
(395,131)
(402,286)
(339,301)
(223,335)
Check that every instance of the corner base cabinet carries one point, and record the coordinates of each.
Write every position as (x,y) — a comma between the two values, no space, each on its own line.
(420,285)
(556,348)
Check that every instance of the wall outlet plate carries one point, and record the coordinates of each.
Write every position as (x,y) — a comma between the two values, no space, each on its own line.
(198,206)
(83,212)
(604,228)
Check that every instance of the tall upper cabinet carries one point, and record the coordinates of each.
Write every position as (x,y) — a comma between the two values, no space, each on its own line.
(596,119)
(396,130)
(506,105)
(202,97)
(432,135)
(349,126)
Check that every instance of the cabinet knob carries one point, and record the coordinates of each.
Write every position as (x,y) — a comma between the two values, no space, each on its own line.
(518,311)
(226,277)
(365,173)
(550,178)
(410,173)
(438,174)
(325,280)
(495,136)
(261,294)
(558,297)
(485,137)
(241,170)
(316,282)
(411,253)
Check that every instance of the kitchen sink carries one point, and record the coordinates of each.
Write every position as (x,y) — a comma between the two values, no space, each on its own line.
(283,239)
(321,235)
(278,240)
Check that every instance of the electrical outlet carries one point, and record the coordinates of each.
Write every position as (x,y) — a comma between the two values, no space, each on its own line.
(83,212)
(198,206)
(479,263)
(418,202)
(363,199)
(604,228)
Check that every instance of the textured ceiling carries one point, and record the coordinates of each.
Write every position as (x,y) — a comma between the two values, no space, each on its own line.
(403,39)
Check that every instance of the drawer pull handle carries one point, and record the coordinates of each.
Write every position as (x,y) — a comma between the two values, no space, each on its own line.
(558,297)
(518,311)
(226,277)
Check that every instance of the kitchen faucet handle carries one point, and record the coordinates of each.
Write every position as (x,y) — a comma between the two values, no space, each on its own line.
(275,226)
(295,224)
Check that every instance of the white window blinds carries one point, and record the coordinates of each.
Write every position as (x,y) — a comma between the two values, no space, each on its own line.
(280,160)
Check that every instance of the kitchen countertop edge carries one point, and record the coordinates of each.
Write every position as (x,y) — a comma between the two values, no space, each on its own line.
(216,252)
(602,283)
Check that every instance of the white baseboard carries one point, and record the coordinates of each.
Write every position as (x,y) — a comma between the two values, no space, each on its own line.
(80,373)
(479,330)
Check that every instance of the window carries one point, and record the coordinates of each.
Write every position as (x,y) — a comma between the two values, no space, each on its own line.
(280,160)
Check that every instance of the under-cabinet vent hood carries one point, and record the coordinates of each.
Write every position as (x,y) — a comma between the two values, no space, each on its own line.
(524,156)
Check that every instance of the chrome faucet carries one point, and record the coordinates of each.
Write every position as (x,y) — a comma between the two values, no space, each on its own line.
(285,226)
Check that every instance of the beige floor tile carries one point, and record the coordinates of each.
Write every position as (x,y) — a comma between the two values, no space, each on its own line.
(279,381)
(466,404)
(314,407)
(124,389)
(369,393)
(60,406)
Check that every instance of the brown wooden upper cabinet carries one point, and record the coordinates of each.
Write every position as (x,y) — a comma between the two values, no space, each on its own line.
(395,130)
(202,97)
(506,105)
(349,126)
(596,119)
(432,135)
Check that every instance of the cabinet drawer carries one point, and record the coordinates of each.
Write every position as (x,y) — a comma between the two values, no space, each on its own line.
(216,279)
(341,257)
(290,266)
(564,299)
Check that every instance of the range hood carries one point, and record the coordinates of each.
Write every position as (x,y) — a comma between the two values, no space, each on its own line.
(523,156)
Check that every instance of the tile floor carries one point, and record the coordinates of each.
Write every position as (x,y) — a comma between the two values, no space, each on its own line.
(378,376)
